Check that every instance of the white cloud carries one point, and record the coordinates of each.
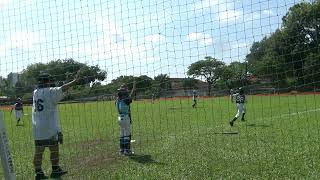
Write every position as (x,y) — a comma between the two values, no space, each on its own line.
(229,15)
(154,38)
(20,40)
(115,45)
(109,26)
(24,40)
(223,10)
(202,38)
(204,4)
(4,2)
(267,12)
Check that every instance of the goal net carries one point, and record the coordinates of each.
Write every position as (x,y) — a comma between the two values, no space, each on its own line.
(185,61)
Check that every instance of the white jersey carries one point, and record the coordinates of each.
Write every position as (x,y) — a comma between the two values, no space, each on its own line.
(194,95)
(45,120)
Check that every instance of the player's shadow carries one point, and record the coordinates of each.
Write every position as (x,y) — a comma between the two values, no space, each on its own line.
(144,159)
(19,125)
(258,125)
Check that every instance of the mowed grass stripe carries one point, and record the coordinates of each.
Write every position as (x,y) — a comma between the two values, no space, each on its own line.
(280,139)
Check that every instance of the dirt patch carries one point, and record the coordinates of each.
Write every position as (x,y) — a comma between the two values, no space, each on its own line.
(89,144)
(94,160)
(93,154)
(5,108)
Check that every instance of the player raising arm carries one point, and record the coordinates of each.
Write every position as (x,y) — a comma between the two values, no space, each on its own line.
(18,107)
(46,125)
(123,102)
(240,101)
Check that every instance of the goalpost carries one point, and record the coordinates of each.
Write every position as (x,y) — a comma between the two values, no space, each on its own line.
(6,159)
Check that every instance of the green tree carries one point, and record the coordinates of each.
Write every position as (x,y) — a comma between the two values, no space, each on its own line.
(161,84)
(189,83)
(209,68)
(61,71)
(284,56)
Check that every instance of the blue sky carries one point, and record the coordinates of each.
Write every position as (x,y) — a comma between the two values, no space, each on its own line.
(133,37)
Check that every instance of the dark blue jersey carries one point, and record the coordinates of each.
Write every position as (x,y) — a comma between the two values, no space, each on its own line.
(18,106)
(240,98)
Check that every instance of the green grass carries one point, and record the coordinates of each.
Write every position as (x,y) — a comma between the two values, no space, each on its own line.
(279,140)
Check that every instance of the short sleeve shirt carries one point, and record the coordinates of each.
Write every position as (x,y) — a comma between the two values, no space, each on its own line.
(45,120)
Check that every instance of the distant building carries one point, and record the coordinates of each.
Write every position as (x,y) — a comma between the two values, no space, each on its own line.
(2,82)
(13,79)
(178,88)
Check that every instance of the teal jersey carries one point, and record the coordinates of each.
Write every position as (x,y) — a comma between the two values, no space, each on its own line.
(123,106)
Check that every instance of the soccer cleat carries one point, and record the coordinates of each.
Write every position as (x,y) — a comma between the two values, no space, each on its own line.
(243,120)
(231,123)
(40,175)
(128,152)
(121,152)
(58,173)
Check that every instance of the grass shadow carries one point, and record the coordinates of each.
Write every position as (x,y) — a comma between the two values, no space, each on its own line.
(227,133)
(144,159)
(259,125)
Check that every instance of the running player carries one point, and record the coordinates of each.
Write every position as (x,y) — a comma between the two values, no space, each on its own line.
(240,101)
(46,125)
(18,107)
(123,102)
(194,98)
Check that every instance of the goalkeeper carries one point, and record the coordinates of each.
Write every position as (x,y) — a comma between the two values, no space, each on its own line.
(124,99)
(45,123)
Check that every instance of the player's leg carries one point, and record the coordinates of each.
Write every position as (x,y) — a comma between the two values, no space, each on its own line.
(18,116)
(126,138)
(243,112)
(194,103)
(122,133)
(236,116)
(54,158)
(37,160)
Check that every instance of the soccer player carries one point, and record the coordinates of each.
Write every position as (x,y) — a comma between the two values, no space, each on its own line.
(122,103)
(194,98)
(18,107)
(153,98)
(240,101)
(46,125)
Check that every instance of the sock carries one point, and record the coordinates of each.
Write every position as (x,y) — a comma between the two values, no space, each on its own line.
(55,168)
(243,115)
(234,119)
(38,170)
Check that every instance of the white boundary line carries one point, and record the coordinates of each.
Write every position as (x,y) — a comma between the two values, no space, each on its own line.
(292,114)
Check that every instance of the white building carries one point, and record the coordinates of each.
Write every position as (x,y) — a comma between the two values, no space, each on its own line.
(13,79)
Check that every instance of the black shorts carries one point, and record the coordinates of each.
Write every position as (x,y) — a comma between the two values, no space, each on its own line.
(46,142)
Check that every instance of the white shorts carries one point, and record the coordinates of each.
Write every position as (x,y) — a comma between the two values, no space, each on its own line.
(241,109)
(125,125)
(18,114)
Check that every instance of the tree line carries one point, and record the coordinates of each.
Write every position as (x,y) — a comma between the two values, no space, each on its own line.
(288,58)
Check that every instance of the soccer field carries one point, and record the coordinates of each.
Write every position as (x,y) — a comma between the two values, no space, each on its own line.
(278,140)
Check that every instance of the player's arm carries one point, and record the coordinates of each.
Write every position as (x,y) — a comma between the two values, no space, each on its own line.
(133,89)
(231,98)
(12,109)
(66,86)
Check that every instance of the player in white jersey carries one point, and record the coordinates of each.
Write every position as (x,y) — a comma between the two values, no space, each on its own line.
(18,107)
(240,101)
(46,125)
